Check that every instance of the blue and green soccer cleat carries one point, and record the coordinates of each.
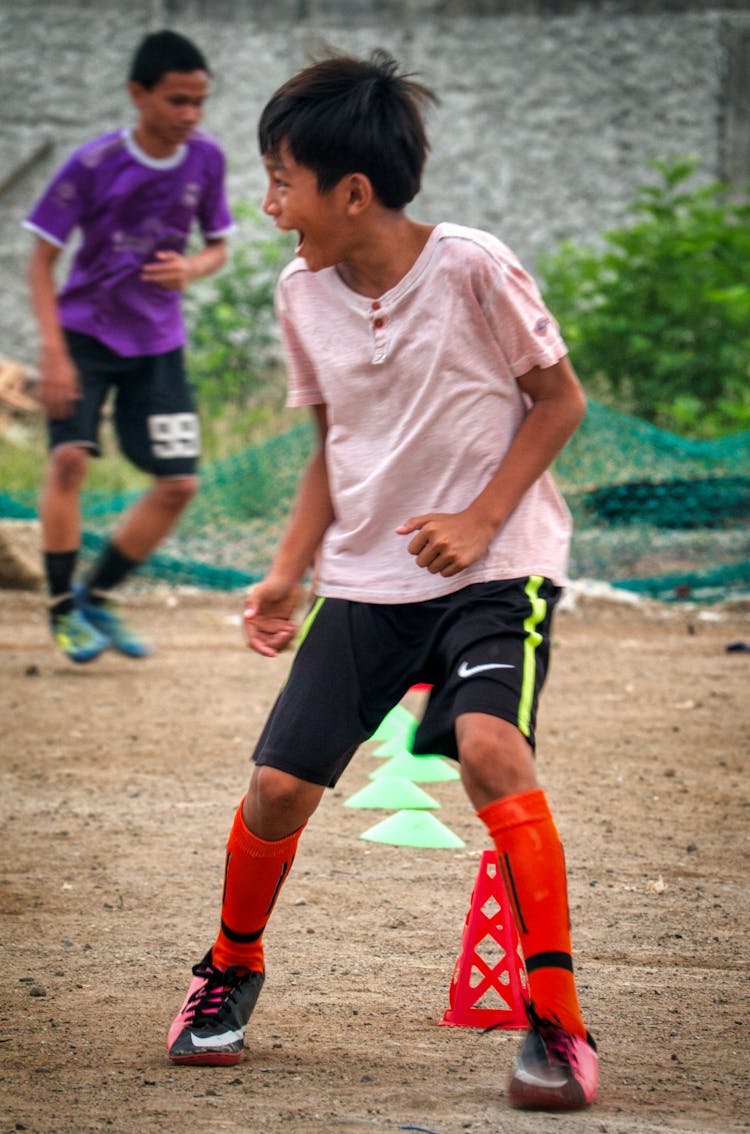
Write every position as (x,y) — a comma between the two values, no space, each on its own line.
(107,621)
(76,637)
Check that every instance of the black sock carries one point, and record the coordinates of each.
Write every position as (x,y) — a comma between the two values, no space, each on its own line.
(59,567)
(110,570)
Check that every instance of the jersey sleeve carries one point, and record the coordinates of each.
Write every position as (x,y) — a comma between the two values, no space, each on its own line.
(303,388)
(528,334)
(214,216)
(62,204)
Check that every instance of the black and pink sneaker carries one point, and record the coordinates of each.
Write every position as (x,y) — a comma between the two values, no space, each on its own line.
(210,1027)
(554,1070)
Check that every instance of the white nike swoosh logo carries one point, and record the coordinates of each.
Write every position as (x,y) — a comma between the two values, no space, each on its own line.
(466,670)
(217,1041)
(537,1081)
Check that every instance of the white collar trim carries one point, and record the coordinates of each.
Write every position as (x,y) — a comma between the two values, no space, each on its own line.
(140,155)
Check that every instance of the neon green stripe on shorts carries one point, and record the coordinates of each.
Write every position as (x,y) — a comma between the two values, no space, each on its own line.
(532,641)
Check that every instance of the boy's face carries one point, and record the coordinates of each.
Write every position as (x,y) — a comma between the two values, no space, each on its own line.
(294,201)
(169,111)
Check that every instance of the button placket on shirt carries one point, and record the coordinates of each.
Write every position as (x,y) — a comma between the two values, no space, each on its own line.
(380,337)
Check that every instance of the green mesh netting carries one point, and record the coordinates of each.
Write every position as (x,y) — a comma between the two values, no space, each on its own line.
(654,513)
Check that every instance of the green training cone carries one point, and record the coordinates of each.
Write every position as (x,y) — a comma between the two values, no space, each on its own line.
(392,793)
(418,769)
(412,829)
(392,747)
(395,724)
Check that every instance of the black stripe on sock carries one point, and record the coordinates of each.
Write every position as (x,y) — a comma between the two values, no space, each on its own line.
(241,938)
(550,960)
(510,886)
(285,868)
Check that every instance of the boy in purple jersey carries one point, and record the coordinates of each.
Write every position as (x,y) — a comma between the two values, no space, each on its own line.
(134,195)
(442,391)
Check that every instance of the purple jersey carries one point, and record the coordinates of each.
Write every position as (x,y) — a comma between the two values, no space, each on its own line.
(128,206)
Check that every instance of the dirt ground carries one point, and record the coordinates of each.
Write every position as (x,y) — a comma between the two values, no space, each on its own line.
(119,782)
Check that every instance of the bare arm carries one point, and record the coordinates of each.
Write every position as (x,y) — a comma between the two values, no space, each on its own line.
(175,271)
(447,543)
(270,604)
(58,377)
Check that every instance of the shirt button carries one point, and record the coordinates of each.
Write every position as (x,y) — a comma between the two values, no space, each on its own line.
(378,323)
(375,305)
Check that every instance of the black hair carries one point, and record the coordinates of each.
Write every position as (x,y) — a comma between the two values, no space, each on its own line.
(342,115)
(164,51)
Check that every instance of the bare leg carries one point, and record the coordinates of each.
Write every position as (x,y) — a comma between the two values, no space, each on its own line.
(277,804)
(59,507)
(150,519)
(496,759)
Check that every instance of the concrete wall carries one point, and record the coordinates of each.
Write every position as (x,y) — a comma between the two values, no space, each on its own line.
(550,110)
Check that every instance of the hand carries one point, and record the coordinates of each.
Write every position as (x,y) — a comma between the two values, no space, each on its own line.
(446,542)
(169,269)
(267,619)
(59,386)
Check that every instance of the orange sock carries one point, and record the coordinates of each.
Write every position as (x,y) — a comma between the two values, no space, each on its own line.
(253,876)
(532,865)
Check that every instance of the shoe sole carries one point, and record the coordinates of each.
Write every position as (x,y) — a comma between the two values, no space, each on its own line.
(83,659)
(129,653)
(136,653)
(526,1097)
(546,1101)
(208,1059)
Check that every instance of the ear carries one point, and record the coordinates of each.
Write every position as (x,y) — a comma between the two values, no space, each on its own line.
(359,193)
(137,93)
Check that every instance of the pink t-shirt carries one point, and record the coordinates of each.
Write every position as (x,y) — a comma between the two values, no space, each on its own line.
(422,404)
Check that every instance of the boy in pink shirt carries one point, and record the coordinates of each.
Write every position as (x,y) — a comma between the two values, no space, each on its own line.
(442,392)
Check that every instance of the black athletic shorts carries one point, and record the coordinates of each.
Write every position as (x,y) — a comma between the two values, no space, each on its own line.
(484,649)
(154,413)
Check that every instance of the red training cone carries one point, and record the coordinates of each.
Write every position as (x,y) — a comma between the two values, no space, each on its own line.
(490,968)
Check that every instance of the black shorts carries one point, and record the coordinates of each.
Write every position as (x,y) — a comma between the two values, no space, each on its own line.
(154,413)
(484,649)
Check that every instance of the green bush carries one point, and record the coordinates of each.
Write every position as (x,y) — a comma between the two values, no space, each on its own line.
(234,350)
(658,319)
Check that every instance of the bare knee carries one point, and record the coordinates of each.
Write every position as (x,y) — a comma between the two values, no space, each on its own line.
(496,760)
(67,467)
(175,493)
(278,804)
